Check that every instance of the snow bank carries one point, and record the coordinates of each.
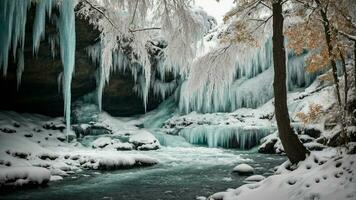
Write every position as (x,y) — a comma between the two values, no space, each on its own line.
(21,176)
(318,177)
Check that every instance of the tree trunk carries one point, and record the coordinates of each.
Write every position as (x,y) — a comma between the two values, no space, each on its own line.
(355,66)
(327,31)
(292,146)
(346,88)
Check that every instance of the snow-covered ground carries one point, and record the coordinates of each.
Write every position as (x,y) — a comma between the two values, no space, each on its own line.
(33,149)
(326,175)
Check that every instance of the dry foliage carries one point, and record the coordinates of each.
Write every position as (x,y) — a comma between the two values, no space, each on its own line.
(314,113)
(240,34)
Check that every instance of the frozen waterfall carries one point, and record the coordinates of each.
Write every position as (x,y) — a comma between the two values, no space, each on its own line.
(225,136)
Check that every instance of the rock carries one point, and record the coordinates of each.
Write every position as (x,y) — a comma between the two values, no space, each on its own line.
(314,146)
(305,138)
(255,178)
(64,138)
(16,125)
(28,135)
(321,140)
(336,140)
(101,142)
(243,169)
(54,126)
(148,147)
(124,146)
(85,113)
(56,178)
(352,148)
(8,130)
(268,143)
(144,140)
(312,132)
(45,156)
(351,131)
(23,176)
(18,154)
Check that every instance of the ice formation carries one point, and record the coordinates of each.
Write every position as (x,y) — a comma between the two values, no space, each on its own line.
(13,15)
(66,27)
(43,7)
(247,84)
(225,136)
(12,36)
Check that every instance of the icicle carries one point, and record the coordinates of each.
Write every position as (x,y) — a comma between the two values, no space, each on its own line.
(53,40)
(67,41)
(42,7)
(59,81)
(20,68)
(252,65)
(227,136)
(100,87)
(13,14)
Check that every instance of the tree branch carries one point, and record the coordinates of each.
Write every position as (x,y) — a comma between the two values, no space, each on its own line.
(102,13)
(144,29)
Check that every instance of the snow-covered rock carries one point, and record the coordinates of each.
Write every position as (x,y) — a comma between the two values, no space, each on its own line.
(243,169)
(144,140)
(124,162)
(101,142)
(123,146)
(255,178)
(56,178)
(268,144)
(21,176)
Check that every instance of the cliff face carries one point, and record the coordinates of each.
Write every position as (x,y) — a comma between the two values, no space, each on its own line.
(38,92)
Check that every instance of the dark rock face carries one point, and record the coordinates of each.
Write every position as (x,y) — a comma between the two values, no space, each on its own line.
(119,99)
(38,92)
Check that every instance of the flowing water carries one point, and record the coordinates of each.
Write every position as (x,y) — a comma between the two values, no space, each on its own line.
(183,173)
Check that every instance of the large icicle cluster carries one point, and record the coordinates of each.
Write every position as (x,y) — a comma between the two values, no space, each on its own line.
(229,78)
(13,14)
(130,29)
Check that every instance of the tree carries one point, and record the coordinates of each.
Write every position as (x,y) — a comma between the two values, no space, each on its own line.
(293,147)
(249,10)
(327,24)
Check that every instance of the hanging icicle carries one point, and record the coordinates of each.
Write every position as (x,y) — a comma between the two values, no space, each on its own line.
(13,15)
(66,28)
(42,7)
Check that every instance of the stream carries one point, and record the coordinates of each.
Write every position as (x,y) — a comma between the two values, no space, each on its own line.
(182,173)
